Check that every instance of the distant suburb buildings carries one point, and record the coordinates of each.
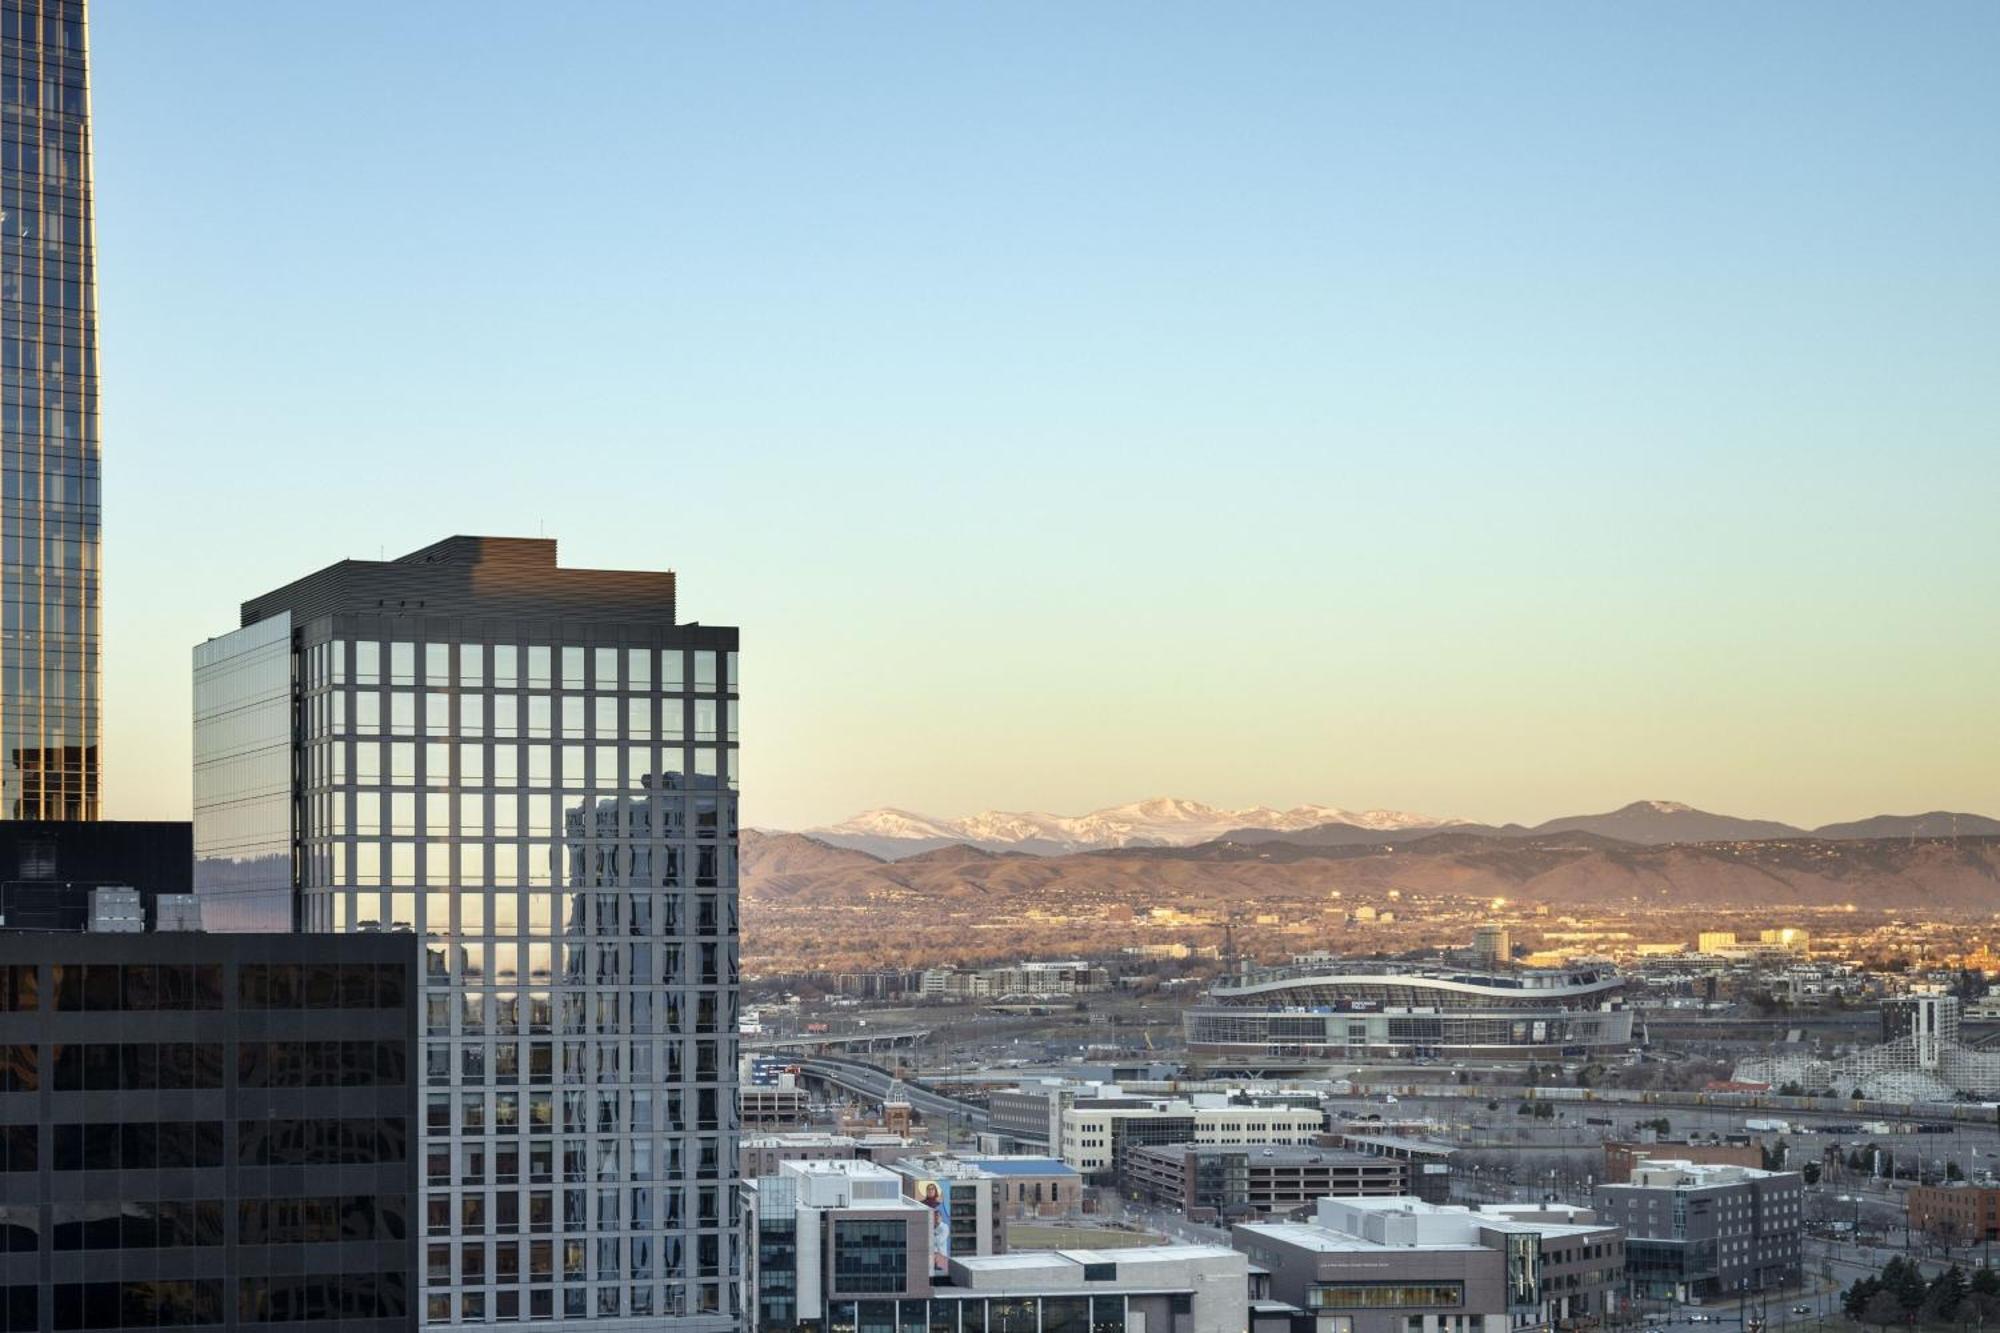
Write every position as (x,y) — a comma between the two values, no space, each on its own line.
(1292,1019)
(51,722)
(1029,980)
(533,769)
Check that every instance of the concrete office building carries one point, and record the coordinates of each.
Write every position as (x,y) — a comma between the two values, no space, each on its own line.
(1235,1183)
(214,1130)
(836,1248)
(534,769)
(51,720)
(1095,1138)
(1696,1230)
(977,1225)
(1406,1266)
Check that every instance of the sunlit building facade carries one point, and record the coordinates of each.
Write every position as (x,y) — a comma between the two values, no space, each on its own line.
(50,716)
(533,771)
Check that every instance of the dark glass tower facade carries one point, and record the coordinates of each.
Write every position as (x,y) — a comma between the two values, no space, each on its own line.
(49,645)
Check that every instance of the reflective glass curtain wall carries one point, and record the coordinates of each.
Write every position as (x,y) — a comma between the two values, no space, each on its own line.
(49,647)
(243,778)
(558,821)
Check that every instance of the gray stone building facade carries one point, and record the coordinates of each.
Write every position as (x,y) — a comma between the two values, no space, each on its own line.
(1697,1230)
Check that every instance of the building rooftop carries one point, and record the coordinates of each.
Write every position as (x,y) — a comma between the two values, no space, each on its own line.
(1272,1154)
(499,577)
(1400,1142)
(1024,1166)
(1030,1260)
(1404,1223)
(799,1139)
(1321,1240)
(1679,1173)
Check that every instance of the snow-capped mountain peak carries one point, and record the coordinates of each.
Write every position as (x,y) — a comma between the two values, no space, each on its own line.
(1158,821)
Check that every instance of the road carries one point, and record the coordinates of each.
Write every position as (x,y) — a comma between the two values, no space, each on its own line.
(874,1082)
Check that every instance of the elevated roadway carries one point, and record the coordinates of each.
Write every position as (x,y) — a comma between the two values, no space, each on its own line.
(878,1085)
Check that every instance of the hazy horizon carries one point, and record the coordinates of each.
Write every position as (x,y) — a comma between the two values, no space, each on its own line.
(1493,413)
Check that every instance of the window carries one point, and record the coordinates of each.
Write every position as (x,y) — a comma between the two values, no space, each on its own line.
(1383,1295)
(870,1256)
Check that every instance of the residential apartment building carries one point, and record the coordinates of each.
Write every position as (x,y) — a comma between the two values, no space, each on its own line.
(1405,1266)
(534,769)
(1018,980)
(1696,1230)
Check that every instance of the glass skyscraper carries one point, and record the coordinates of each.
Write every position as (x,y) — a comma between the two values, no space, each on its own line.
(49,649)
(533,771)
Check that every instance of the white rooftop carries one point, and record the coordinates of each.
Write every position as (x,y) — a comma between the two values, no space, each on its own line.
(846,1183)
(1405,1223)
(1678,1173)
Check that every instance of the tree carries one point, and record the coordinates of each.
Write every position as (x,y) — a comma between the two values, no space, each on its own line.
(1985,1282)
(1811,1172)
(1882,1309)
(1953,1171)
(1774,1155)
(1943,1295)
(1906,1280)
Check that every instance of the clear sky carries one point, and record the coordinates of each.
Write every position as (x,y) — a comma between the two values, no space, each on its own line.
(1492,410)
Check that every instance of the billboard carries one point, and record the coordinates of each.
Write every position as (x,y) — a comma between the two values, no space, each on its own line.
(937,1198)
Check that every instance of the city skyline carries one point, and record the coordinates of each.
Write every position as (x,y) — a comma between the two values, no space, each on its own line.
(1561,409)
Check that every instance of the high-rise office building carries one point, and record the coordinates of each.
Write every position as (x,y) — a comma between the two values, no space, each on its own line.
(49,649)
(533,770)
(207,1130)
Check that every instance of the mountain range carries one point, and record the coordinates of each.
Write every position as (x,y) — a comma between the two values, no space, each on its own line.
(808,905)
(892,834)
(1163,821)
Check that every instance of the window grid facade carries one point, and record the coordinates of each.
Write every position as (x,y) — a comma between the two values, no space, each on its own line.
(50,721)
(529,772)
(558,821)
